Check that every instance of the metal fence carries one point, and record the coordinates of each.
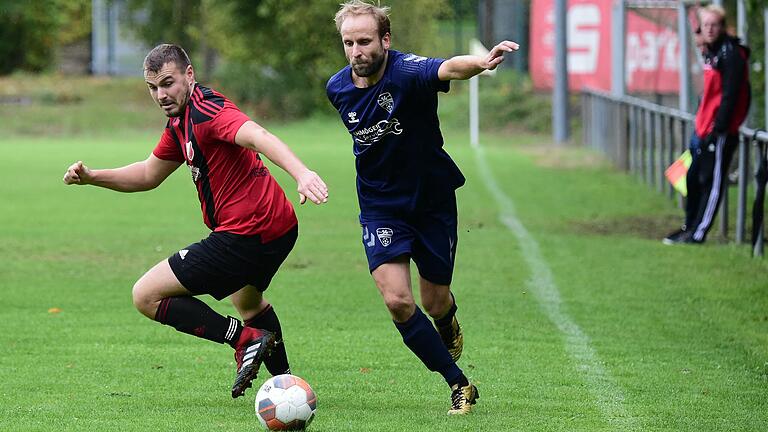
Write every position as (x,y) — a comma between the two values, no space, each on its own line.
(644,139)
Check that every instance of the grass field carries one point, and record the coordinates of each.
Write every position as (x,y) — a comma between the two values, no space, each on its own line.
(576,318)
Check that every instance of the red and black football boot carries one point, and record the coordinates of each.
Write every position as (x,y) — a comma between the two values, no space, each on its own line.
(252,347)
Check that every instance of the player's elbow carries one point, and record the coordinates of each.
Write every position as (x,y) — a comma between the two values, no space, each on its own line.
(260,139)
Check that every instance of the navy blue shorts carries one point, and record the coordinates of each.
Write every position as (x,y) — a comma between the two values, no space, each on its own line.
(429,238)
(223,263)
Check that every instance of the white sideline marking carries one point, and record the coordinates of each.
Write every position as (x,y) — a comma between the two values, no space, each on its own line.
(607,394)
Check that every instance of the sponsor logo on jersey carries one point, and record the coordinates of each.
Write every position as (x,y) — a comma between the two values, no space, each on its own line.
(414,58)
(370,135)
(195,171)
(260,172)
(384,235)
(387,102)
(183,253)
(353,117)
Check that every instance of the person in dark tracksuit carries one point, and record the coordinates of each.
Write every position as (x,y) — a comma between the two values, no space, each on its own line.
(723,108)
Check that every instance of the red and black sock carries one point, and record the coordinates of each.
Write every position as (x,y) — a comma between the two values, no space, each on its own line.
(277,362)
(192,316)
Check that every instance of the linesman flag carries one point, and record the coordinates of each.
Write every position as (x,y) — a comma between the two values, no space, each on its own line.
(676,172)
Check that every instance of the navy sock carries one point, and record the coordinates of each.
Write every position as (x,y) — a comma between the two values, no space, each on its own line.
(192,316)
(277,362)
(421,337)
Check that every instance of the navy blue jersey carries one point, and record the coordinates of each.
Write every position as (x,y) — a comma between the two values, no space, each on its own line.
(402,167)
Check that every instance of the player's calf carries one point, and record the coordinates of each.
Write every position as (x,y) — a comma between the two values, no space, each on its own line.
(450,331)
(452,337)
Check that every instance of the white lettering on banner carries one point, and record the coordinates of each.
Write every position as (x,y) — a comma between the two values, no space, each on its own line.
(647,51)
(583,38)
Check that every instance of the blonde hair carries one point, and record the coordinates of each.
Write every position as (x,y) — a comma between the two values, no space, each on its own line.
(359,7)
(716,10)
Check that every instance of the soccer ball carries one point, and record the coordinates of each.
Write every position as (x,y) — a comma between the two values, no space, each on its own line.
(285,402)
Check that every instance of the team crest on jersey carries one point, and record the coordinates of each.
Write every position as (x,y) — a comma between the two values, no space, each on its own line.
(384,235)
(190,151)
(387,102)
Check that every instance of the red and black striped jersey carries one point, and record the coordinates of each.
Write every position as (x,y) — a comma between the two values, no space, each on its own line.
(236,191)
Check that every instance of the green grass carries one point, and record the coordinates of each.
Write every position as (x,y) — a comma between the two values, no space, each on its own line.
(681,332)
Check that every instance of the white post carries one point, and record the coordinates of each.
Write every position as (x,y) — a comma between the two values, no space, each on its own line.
(741,21)
(560,120)
(682,36)
(476,48)
(474,111)
(618,43)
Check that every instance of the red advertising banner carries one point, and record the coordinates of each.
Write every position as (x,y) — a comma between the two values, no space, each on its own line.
(651,50)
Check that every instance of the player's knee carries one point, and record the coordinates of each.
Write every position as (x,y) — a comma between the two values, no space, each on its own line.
(399,305)
(143,302)
(433,308)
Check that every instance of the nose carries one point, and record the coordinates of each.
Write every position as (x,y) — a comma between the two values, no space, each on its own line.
(356,52)
(161,94)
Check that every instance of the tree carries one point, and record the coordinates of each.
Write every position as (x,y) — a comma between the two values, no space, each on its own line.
(30,32)
(274,54)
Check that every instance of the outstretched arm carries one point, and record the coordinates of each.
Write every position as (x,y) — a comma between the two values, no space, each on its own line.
(136,177)
(467,66)
(256,138)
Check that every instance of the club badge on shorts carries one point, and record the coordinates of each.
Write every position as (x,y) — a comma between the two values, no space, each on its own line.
(384,235)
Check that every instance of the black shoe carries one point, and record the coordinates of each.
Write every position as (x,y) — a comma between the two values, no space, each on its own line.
(676,237)
(685,237)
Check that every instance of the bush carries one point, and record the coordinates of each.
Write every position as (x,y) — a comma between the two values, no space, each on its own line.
(507,102)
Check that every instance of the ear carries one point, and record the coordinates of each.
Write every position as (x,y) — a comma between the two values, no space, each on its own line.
(189,74)
(386,41)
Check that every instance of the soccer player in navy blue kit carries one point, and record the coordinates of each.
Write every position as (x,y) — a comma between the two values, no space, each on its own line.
(406,181)
(253,224)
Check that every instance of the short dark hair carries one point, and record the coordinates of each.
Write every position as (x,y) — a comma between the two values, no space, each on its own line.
(166,53)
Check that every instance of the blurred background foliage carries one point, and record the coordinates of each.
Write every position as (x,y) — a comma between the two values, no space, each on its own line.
(274,54)
(31,31)
(273,57)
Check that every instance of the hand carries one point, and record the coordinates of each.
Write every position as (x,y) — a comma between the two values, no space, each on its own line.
(496,55)
(78,174)
(311,186)
(712,138)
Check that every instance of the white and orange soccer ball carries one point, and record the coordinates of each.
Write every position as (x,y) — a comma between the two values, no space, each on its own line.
(285,402)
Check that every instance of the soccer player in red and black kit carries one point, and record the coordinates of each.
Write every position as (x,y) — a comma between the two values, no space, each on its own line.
(724,105)
(254,225)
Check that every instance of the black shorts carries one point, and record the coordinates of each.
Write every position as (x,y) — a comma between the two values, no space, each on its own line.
(223,263)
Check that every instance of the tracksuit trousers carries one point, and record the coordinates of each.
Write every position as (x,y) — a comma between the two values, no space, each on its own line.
(707,181)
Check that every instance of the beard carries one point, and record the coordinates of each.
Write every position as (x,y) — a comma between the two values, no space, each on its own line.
(366,69)
(181,104)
